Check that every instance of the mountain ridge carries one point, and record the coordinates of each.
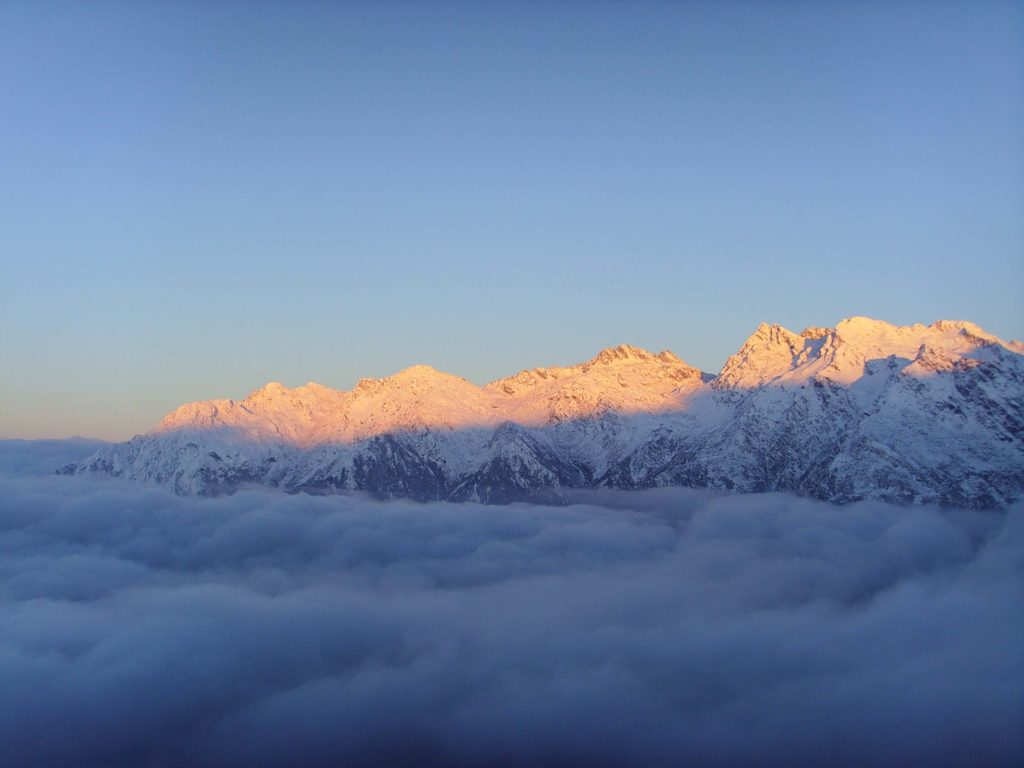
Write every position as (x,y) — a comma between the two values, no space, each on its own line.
(865,409)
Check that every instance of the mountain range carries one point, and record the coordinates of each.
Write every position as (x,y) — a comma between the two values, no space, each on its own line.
(914,414)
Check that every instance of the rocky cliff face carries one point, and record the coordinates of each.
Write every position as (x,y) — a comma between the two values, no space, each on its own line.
(918,414)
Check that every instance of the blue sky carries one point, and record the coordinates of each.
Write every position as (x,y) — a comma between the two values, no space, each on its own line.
(199,198)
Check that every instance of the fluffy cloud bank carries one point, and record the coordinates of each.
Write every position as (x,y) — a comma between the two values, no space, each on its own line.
(663,628)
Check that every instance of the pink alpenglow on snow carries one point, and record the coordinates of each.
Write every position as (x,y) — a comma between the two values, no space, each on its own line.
(920,414)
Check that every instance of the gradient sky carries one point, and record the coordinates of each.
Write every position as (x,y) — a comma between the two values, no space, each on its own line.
(198,198)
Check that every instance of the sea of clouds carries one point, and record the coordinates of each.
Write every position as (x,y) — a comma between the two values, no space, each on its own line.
(667,627)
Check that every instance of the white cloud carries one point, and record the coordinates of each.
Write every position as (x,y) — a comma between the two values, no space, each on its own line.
(669,627)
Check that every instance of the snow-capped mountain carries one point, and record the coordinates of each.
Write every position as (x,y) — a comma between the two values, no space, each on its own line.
(922,414)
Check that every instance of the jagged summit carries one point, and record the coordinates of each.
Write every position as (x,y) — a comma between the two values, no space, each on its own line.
(629,355)
(418,378)
(840,355)
(622,352)
(769,352)
(275,390)
(622,379)
(865,409)
(419,372)
(816,332)
(270,388)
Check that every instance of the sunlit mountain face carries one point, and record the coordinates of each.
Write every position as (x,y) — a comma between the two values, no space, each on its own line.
(918,414)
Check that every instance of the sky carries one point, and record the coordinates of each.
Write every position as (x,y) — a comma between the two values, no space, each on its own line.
(198,198)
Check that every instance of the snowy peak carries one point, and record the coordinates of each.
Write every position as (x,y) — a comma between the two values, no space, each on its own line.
(943,345)
(922,413)
(622,379)
(610,360)
(422,374)
(815,332)
(416,398)
(966,329)
(270,390)
(275,397)
(417,379)
(272,414)
(775,355)
(770,352)
(622,352)
(206,414)
(880,339)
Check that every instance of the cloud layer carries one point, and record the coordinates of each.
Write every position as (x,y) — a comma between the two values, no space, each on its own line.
(656,628)
(44,457)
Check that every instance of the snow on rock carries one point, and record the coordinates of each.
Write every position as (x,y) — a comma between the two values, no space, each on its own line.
(919,414)
(622,379)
